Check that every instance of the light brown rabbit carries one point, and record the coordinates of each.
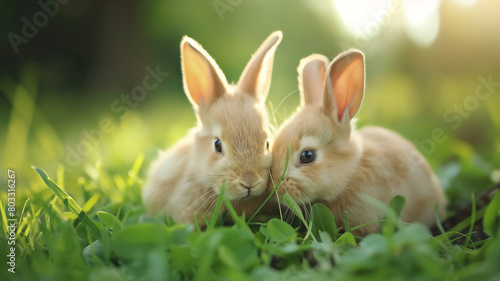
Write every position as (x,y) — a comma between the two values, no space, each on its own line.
(230,143)
(332,163)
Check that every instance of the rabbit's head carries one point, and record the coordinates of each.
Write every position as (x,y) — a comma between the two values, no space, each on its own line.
(231,141)
(323,150)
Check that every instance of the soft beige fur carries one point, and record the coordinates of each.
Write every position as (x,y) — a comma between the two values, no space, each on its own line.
(185,181)
(349,162)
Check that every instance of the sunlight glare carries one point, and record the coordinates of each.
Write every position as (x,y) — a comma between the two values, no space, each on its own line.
(359,15)
(422,21)
(464,3)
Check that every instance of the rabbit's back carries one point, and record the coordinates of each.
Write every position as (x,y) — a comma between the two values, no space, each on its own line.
(398,168)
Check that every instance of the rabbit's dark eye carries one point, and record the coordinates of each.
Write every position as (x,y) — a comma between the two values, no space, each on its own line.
(267,145)
(307,156)
(218,145)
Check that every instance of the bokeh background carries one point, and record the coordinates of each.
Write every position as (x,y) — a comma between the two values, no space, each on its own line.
(67,68)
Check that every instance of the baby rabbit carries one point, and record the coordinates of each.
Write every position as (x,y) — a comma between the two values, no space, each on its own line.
(230,143)
(332,163)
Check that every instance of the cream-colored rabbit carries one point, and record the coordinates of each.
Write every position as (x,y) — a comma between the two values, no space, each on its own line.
(332,163)
(230,143)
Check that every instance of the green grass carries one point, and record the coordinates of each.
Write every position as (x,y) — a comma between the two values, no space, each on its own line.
(88,223)
(57,239)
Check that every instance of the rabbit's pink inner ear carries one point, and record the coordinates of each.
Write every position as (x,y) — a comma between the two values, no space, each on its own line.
(196,78)
(347,82)
(203,80)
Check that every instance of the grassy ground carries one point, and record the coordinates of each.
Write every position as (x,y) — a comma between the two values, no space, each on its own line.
(87,222)
(57,239)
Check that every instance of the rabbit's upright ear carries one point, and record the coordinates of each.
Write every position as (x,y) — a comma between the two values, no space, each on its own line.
(312,73)
(203,80)
(256,78)
(345,84)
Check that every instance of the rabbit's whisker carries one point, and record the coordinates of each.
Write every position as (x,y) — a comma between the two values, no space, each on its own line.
(207,210)
(180,187)
(165,182)
(185,198)
(193,204)
(184,184)
(282,101)
(308,202)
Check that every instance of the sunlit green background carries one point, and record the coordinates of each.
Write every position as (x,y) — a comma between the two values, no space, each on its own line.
(424,65)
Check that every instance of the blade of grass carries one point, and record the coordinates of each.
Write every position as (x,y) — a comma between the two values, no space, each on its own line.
(472,221)
(279,205)
(440,226)
(205,220)
(60,176)
(438,221)
(240,221)
(274,191)
(196,224)
(91,202)
(461,226)
(365,224)
(4,219)
(24,208)
(346,222)
(479,243)
(292,205)
(218,206)
(23,228)
(68,201)
(135,169)
(309,232)
(467,221)
(459,236)
(491,220)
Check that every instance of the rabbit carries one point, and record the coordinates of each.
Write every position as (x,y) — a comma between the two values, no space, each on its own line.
(332,163)
(229,145)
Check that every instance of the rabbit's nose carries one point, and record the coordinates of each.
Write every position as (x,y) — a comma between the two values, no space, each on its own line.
(246,186)
(248,180)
